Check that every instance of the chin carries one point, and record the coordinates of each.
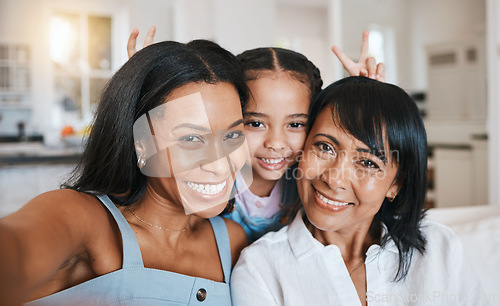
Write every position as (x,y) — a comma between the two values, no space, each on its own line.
(211,212)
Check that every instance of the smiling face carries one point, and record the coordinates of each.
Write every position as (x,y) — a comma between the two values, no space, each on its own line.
(343,183)
(195,148)
(275,120)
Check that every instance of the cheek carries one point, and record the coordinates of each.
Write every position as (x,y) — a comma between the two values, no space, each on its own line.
(254,141)
(238,158)
(310,166)
(370,189)
(296,141)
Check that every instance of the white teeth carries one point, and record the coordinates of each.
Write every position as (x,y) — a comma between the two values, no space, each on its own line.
(330,202)
(208,189)
(272,161)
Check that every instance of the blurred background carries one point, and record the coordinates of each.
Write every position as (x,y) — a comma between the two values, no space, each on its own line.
(56,56)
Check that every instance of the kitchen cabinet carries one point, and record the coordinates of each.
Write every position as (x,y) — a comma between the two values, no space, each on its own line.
(457,80)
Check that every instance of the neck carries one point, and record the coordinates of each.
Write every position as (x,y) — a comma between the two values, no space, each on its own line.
(160,215)
(353,243)
(261,187)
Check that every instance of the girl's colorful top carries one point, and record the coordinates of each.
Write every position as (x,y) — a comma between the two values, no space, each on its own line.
(259,215)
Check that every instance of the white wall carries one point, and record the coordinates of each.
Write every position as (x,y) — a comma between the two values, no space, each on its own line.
(441,21)
(493,66)
(309,36)
(359,14)
(235,25)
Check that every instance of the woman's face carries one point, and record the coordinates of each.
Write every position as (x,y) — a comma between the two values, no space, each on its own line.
(198,145)
(342,183)
(275,120)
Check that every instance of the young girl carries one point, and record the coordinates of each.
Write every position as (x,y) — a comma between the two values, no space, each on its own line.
(283,83)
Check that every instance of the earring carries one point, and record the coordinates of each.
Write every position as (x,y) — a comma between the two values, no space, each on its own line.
(141,161)
(392,197)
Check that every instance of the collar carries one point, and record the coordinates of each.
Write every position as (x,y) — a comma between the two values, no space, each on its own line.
(300,238)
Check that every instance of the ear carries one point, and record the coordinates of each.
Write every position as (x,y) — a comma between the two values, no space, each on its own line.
(140,148)
(392,192)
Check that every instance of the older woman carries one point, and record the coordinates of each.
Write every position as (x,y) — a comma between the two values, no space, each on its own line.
(362,236)
(138,223)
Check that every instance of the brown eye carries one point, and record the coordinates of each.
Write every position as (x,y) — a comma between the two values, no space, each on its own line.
(191,138)
(324,148)
(255,124)
(369,164)
(296,125)
(233,135)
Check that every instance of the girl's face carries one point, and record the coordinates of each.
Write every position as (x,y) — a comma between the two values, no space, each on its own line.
(200,147)
(275,123)
(342,183)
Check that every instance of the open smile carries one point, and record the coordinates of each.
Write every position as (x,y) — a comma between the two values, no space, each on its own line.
(207,189)
(329,203)
(272,163)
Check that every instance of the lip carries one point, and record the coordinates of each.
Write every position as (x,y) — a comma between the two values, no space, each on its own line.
(320,200)
(272,163)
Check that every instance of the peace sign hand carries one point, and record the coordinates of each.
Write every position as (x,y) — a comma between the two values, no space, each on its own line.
(366,66)
(132,40)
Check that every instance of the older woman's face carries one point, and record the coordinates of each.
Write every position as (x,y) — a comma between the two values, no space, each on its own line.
(342,183)
(194,145)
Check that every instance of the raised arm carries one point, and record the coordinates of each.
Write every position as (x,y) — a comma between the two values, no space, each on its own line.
(132,40)
(366,66)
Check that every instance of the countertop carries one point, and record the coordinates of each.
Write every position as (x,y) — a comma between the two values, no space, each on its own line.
(37,152)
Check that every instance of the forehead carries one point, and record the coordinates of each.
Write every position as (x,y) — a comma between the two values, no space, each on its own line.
(278,91)
(214,105)
(325,124)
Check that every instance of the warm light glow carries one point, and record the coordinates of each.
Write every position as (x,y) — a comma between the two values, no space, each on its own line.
(62,40)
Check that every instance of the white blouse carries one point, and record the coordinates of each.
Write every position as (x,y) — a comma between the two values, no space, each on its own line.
(290,267)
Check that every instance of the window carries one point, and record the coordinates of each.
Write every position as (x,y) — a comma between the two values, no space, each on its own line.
(81,53)
(382,47)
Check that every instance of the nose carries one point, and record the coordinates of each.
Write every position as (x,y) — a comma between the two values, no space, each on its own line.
(338,174)
(215,160)
(219,166)
(275,139)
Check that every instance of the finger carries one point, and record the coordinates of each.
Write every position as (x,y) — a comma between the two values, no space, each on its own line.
(363,72)
(381,72)
(365,44)
(150,36)
(344,59)
(371,67)
(132,40)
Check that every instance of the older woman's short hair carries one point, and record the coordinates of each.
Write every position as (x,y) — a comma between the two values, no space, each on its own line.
(383,116)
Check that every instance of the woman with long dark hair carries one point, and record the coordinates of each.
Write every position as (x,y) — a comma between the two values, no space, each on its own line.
(137,223)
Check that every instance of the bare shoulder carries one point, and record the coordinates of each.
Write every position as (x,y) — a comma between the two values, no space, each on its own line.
(66,210)
(237,238)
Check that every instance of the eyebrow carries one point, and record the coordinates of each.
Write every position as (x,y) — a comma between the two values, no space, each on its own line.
(261,115)
(382,156)
(204,129)
(301,115)
(333,139)
(255,114)
(236,123)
